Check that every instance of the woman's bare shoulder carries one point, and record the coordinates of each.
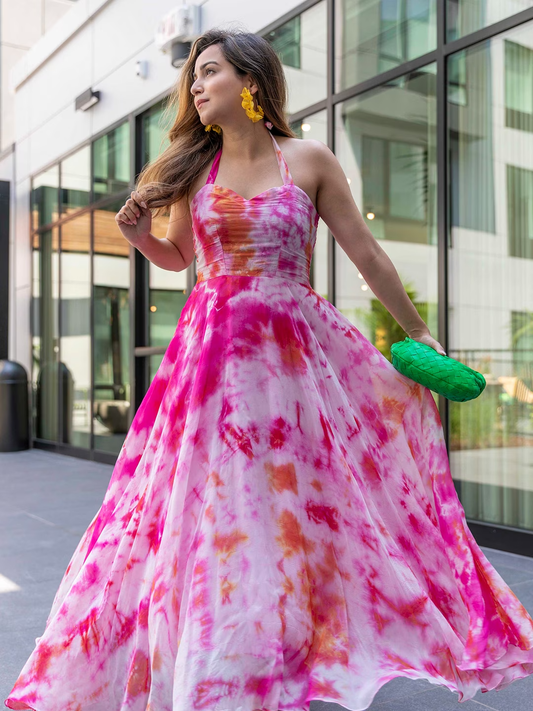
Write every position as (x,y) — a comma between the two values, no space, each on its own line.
(307,152)
(308,160)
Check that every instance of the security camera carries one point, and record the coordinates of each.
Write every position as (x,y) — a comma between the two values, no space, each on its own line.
(141,68)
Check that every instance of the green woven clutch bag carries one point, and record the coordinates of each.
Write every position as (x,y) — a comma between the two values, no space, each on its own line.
(439,373)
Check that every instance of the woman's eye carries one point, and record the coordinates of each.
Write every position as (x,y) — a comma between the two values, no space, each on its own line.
(209,70)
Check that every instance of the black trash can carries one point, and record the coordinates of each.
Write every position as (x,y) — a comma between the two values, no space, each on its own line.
(14,410)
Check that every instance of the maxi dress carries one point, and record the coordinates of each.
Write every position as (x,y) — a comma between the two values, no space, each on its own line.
(281,524)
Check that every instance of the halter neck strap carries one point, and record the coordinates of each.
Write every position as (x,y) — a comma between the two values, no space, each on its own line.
(283,167)
(282,164)
(214,168)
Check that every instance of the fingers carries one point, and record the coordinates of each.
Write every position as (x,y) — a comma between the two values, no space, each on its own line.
(138,197)
(131,211)
(120,217)
(127,214)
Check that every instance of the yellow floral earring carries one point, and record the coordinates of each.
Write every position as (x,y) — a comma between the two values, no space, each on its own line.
(214,127)
(248,106)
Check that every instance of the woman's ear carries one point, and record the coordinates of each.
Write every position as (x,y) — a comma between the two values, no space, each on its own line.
(252,86)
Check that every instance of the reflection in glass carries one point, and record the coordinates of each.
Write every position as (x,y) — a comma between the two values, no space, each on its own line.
(111,282)
(76,180)
(155,128)
(316,127)
(301,46)
(518,86)
(168,294)
(491,276)
(111,160)
(466,16)
(44,197)
(76,330)
(45,338)
(154,363)
(287,42)
(167,289)
(385,142)
(373,36)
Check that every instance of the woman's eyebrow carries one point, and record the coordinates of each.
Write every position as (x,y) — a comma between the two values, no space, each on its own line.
(211,61)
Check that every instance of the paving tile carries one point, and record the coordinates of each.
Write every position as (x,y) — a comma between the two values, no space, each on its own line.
(432,699)
(514,575)
(524,592)
(48,571)
(436,699)
(48,500)
(28,607)
(518,696)
(27,533)
(15,649)
(508,560)
(398,688)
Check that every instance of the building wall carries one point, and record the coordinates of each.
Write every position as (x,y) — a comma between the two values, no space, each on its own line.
(96,45)
(22,24)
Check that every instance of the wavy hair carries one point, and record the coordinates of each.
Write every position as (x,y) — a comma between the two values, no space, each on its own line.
(170,176)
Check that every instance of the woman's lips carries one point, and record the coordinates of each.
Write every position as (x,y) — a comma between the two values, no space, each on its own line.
(201,102)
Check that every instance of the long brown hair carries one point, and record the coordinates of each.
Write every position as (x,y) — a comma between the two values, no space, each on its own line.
(171,175)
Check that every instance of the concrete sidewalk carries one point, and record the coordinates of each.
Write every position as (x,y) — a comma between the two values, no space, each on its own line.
(47,502)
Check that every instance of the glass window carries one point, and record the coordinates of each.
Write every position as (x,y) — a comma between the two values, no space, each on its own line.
(155,128)
(520,211)
(154,361)
(168,294)
(373,36)
(111,284)
(286,40)
(111,162)
(45,338)
(167,297)
(301,46)
(167,289)
(44,197)
(385,142)
(76,330)
(466,16)
(316,126)
(518,86)
(490,278)
(36,327)
(76,181)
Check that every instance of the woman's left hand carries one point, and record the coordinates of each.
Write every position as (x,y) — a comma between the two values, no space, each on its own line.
(429,341)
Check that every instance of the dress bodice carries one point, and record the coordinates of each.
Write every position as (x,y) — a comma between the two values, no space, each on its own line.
(272,234)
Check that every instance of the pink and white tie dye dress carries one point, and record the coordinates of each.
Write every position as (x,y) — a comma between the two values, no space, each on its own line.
(281,524)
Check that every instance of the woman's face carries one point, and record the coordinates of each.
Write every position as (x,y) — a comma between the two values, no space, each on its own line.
(217,88)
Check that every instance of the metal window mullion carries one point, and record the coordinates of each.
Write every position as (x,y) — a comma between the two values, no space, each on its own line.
(32,320)
(60,413)
(132,290)
(91,299)
(330,113)
(443,196)
(59,394)
(139,284)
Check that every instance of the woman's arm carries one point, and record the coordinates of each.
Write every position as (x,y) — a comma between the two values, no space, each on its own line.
(336,206)
(175,251)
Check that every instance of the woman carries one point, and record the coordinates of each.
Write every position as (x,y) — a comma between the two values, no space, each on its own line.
(281,524)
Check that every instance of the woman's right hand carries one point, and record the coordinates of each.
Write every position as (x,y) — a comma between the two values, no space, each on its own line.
(134,219)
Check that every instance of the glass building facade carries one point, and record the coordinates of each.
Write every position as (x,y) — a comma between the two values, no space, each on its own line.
(428,105)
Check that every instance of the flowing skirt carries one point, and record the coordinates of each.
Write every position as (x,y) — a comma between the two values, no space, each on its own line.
(280,526)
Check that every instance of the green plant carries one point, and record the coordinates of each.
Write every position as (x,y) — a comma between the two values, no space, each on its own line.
(476,424)
(383,326)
